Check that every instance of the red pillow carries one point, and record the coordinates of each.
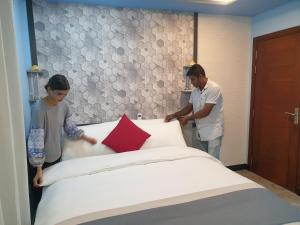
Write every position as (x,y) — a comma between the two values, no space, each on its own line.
(126,136)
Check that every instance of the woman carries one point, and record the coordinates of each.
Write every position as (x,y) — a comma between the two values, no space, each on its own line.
(50,119)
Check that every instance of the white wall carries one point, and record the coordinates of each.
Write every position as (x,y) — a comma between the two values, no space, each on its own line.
(224,49)
(13,167)
(280,18)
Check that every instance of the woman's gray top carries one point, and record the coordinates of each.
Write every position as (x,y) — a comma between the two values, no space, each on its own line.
(48,125)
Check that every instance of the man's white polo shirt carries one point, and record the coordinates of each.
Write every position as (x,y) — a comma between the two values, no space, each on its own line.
(211,126)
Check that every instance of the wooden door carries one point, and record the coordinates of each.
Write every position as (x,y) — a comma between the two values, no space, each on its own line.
(274,136)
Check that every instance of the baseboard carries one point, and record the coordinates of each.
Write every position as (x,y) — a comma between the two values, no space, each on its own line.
(238,167)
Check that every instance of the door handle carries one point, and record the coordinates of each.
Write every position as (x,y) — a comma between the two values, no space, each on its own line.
(295,115)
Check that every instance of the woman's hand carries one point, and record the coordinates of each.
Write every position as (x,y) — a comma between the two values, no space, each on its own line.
(90,140)
(38,179)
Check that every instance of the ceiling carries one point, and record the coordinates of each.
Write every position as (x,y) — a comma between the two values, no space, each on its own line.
(238,8)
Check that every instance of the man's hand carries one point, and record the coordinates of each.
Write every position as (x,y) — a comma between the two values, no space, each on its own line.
(90,140)
(169,118)
(183,120)
(38,179)
(185,111)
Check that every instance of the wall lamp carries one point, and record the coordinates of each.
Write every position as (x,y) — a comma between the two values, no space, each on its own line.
(33,81)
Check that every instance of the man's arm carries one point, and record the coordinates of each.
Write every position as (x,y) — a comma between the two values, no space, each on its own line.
(186,110)
(203,112)
(198,115)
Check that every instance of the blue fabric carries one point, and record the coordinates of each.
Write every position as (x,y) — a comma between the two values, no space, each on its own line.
(36,152)
(71,129)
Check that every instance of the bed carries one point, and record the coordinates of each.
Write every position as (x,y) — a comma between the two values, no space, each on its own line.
(163,183)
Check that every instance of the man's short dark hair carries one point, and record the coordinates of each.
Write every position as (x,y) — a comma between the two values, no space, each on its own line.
(196,70)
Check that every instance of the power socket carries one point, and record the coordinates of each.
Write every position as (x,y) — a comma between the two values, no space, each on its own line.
(139,116)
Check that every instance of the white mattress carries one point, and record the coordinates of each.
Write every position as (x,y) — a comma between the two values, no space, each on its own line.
(93,184)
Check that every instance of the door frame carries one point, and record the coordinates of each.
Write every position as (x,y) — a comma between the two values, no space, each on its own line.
(14,198)
(293,185)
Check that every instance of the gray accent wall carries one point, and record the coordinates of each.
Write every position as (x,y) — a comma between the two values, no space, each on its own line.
(117,60)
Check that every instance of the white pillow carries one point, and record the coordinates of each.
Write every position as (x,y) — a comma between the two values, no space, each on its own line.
(162,134)
(79,148)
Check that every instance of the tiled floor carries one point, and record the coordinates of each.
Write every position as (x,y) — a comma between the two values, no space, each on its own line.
(291,197)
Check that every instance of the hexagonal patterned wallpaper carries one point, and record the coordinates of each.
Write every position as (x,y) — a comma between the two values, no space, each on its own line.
(117,60)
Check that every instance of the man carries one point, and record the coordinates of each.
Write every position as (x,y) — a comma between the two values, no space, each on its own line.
(206,102)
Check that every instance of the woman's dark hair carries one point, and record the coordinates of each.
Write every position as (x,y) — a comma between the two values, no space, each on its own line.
(58,82)
(196,70)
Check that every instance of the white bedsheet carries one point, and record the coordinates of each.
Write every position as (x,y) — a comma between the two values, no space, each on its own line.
(81,186)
